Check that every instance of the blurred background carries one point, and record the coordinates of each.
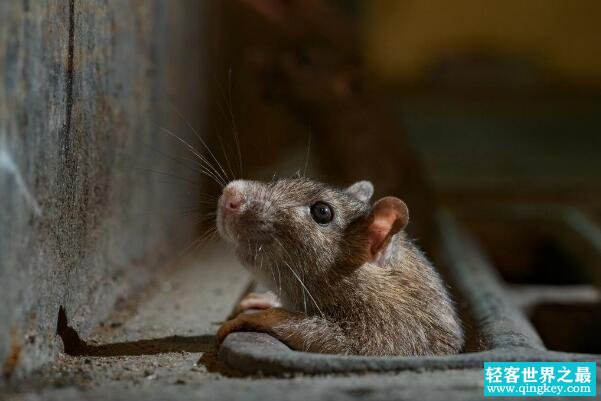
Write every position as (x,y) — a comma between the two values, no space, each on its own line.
(489,110)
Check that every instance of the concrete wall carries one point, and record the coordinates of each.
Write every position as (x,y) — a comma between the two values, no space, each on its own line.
(83,86)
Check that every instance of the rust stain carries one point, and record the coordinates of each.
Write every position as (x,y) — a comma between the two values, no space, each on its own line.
(10,364)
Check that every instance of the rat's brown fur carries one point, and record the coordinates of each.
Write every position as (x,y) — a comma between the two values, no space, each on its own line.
(336,298)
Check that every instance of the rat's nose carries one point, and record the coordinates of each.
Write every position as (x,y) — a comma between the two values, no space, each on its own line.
(232,199)
(233,204)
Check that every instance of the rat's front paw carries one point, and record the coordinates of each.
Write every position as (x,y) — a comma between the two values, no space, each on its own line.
(255,300)
(230,326)
(263,321)
(243,322)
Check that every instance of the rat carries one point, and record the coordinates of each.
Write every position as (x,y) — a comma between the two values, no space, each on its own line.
(344,277)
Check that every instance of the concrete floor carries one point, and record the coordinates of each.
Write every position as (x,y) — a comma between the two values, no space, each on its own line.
(161,346)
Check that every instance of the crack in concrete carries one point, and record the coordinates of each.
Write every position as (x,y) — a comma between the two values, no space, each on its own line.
(69,75)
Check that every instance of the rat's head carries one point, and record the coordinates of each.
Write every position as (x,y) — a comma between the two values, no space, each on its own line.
(306,226)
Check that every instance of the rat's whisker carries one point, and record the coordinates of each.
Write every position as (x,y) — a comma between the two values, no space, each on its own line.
(235,128)
(206,236)
(196,162)
(175,212)
(203,143)
(308,292)
(175,176)
(229,117)
(211,171)
(304,287)
(176,159)
(280,283)
(227,159)
(307,155)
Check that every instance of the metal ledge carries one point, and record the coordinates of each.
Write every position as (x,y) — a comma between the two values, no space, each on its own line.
(258,352)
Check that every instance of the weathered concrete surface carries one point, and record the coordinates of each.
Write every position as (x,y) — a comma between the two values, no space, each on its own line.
(82,220)
(162,346)
(461,385)
(164,335)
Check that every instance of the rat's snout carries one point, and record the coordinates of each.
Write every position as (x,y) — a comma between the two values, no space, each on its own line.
(232,200)
(240,215)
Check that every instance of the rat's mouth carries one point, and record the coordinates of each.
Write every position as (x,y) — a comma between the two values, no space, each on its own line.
(242,228)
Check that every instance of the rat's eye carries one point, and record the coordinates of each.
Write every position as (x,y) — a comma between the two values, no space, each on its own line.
(322,213)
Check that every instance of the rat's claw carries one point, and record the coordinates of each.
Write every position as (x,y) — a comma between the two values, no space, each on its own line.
(256,300)
(262,321)
(265,321)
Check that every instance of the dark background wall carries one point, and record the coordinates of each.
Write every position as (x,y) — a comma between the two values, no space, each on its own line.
(84,87)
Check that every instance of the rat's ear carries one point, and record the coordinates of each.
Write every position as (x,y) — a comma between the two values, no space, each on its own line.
(388,216)
(362,190)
